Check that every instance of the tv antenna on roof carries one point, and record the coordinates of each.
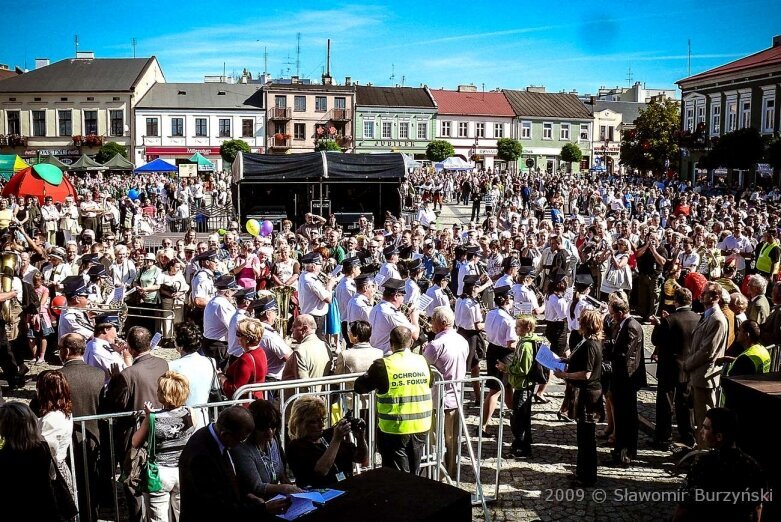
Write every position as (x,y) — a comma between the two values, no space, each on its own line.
(298,54)
(629,76)
(133,43)
(289,62)
(393,72)
(76,44)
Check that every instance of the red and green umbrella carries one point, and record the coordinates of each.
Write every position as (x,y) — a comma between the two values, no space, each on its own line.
(40,181)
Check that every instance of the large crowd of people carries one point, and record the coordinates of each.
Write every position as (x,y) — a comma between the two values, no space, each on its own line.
(597,259)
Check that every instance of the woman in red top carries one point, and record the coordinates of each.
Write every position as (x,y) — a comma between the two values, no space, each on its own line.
(252,366)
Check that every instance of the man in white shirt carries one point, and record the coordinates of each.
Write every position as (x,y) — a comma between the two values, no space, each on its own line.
(386,315)
(103,351)
(199,370)
(314,296)
(243,297)
(277,350)
(216,318)
(360,306)
(346,290)
(51,220)
(389,270)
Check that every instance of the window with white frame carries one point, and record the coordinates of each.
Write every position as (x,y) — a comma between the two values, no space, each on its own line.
(65,121)
(14,122)
(368,129)
(732,114)
(321,105)
(446,129)
(547,131)
(177,126)
(480,130)
(403,130)
(422,130)
(116,120)
(689,122)
(564,132)
(224,128)
(387,130)
(526,130)
(299,103)
(745,114)
(498,130)
(91,122)
(715,118)
(39,123)
(584,134)
(700,114)
(463,129)
(152,128)
(768,112)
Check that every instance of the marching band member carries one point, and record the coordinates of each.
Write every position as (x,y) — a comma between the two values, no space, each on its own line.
(314,296)
(439,292)
(216,319)
(360,306)
(510,266)
(385,316)
(469,267)
(469,324)
(500,330)
(277,350)
(524,293)
(203,284)
(243,298)
(389,270)
(346,290)
(415,271)
(74,319)
(556,321)
(56,270)
(98,286)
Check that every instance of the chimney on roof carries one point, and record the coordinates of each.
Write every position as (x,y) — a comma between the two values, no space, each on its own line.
(294,79)
(467,88)
(777,40)
(85,55)
(40,62)
(3,67)
(535,88)
(327,80)
(348,81)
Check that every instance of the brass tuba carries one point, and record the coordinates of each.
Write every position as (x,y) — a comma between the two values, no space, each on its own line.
(8,263)
(282,294)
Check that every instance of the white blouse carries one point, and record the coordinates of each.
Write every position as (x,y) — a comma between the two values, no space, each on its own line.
(57,430)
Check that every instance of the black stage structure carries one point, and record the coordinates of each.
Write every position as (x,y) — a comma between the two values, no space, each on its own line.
(276,187)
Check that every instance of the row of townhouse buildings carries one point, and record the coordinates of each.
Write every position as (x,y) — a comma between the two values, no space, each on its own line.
(73,106)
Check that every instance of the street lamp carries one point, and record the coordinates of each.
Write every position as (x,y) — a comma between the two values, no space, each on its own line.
(474,150)
(604,155)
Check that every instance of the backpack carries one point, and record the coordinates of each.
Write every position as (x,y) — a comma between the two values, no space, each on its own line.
(524,370)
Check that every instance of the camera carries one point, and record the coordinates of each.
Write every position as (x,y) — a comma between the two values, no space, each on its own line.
(355,424)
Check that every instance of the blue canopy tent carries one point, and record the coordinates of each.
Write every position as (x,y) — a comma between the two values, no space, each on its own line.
(157,165)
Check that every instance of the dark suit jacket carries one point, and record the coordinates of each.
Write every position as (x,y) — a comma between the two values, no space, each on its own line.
(86,384)
(209,487)
(628,356)
(771,329)
(137,384)
(672,339)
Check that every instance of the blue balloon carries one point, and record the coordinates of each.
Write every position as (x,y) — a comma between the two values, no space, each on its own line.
(132,194)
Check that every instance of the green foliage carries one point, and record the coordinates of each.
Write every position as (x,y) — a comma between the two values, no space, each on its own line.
(654,138)
(740,149)
(328,146)
(109,150)
(571,153)
(229,149)
(508,149)
(439,150)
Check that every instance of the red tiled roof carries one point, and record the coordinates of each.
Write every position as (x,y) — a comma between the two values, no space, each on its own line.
(5,73)
(764,58)
(472,103)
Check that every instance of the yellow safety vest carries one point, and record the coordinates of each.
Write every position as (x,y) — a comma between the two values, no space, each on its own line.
(764,263)
(406,407)
(758,355)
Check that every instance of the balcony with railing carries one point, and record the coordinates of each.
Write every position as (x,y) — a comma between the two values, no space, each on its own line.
(13,140)
(280,142)
(280,113)
(341,115)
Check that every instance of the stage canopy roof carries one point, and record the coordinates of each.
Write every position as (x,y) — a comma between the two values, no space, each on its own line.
(314,166)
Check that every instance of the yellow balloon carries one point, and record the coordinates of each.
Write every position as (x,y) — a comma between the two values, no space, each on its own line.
(253,227)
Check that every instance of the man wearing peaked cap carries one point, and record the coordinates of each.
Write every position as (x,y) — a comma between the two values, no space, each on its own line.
(56,270)
(389,270)
(346,290)
(216,320)
(203,288)
(468,268)
(415,271)
(313,295)
(74,319)
(438,291)
(385,316)
(98,286)
(277,351)
(360,306)
(510,266)
(244,298)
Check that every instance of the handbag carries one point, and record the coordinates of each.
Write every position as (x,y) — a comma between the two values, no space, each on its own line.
(215,392)
(63,498)
(140,472)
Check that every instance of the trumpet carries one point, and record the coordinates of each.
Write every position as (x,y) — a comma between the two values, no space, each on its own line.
(423,321)
(599,304)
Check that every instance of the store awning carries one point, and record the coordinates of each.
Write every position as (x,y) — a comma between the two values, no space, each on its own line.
(203,163)
(157,165)
(85,163)
(11,164)
(316,166)
(52,160)
(118,162)
(453,163)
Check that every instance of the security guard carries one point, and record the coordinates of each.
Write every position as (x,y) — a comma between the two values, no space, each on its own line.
(500,330)
(404,407)
(360,306)
(74,319)
(202,288)
(385,316)
(314,296)
(216,319)
(769,257)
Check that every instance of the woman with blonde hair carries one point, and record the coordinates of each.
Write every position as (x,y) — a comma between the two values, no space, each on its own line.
(619,274)
(251,367)
(584,369)
(174,424)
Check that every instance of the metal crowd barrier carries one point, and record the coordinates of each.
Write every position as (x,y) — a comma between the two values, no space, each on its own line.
(333,389)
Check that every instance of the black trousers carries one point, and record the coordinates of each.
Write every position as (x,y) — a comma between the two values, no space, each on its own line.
(587,408)
(475,210)
(13,366)
(556,333)
(625,418)
(320,322)
(345,336)
(401,452)
(521,421)
(671,398)
(217,350)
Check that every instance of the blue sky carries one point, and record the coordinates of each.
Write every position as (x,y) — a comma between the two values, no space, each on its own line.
(508,44)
